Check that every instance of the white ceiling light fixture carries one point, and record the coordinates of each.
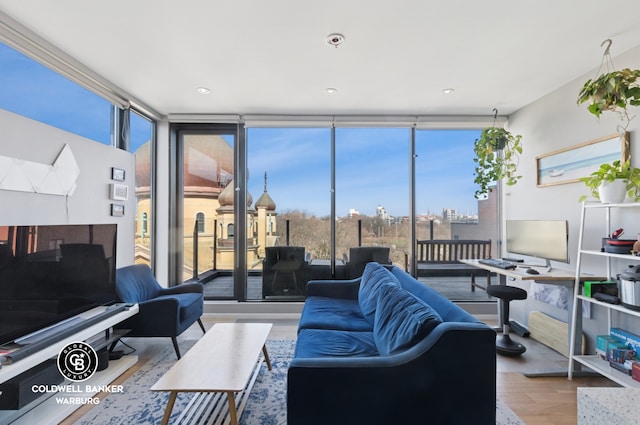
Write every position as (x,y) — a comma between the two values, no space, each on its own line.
(203,90)
(330,90)
(335,39)
(448,90)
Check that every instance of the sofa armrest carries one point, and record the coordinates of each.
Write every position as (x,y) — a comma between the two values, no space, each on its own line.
(334,288)
(184,288)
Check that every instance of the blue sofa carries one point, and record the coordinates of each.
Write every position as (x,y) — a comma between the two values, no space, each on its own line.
(386,349)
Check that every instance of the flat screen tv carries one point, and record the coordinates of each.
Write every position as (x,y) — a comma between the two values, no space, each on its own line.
(51,273)
(544,239)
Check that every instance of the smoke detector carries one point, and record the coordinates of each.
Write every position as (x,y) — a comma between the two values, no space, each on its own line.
(335,39)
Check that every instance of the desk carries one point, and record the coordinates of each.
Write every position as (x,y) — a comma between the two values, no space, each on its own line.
(519,273)
(554,277)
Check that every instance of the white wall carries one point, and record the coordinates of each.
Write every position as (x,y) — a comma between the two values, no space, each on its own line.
(30,140)
(553,122)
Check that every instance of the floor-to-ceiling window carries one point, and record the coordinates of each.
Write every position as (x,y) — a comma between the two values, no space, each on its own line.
(446,207)
(289,217)
(312,194)
(372,190)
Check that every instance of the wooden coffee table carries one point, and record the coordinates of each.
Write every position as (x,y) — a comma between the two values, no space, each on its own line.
(221,361)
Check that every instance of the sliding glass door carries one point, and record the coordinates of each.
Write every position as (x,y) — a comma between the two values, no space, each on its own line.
(208,207)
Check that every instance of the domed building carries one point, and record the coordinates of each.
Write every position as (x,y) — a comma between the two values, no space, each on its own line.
(208,206)
(266,220)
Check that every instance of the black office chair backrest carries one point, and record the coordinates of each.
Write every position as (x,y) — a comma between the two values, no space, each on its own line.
(360,256)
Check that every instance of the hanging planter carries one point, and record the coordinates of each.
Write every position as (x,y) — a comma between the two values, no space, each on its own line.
(497,157)
(613,90)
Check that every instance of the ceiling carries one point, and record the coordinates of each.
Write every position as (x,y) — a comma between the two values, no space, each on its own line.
(272,57)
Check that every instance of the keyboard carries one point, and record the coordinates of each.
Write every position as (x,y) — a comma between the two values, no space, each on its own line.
(493,262)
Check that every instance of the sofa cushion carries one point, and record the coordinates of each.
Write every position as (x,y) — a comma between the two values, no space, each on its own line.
(333,313)
(401,320)
(450,312)
(375,279)
(313,343)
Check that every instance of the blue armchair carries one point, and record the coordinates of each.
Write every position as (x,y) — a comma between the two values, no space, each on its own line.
(163,312)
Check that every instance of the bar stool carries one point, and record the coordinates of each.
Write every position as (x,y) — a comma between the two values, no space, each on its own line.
(504,344)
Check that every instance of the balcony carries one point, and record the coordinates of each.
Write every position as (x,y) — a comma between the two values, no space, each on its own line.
(454,288)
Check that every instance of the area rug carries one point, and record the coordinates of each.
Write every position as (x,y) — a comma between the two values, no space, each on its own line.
(265,405)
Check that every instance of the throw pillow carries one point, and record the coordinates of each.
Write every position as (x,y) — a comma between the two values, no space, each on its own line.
(401,320)
(374,279)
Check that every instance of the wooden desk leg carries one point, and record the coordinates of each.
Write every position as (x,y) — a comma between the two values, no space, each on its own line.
(266,356)
(233,414)
(169,408)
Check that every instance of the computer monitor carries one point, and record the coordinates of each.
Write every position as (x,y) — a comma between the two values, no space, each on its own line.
(544,239)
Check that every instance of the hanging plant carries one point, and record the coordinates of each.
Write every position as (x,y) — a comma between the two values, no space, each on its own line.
(497,157)
(613,90)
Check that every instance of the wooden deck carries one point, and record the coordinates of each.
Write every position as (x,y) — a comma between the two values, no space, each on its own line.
(454,288)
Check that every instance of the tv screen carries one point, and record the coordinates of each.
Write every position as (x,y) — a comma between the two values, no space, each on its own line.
(546,239)
(50,273)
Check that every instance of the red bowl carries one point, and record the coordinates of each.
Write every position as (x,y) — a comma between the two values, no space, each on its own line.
(621,242)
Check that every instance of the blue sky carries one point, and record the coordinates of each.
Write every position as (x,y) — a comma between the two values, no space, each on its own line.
(372,168)
(30,89)
(372,164)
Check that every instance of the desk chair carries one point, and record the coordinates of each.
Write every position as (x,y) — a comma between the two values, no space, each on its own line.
(504,344)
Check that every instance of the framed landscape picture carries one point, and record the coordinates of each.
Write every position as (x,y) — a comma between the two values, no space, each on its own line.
(569,164)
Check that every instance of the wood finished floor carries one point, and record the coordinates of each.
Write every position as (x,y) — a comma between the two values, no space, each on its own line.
(537,401)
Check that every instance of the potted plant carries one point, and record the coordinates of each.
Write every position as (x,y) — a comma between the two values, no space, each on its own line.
(612,91)
(497,156)
(603,181)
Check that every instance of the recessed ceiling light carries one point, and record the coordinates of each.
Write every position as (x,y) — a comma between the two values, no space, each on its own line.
(448,91)
(330,90)
(335,39)
(203,90)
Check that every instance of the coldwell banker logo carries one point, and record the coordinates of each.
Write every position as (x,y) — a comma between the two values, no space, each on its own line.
(77,361)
